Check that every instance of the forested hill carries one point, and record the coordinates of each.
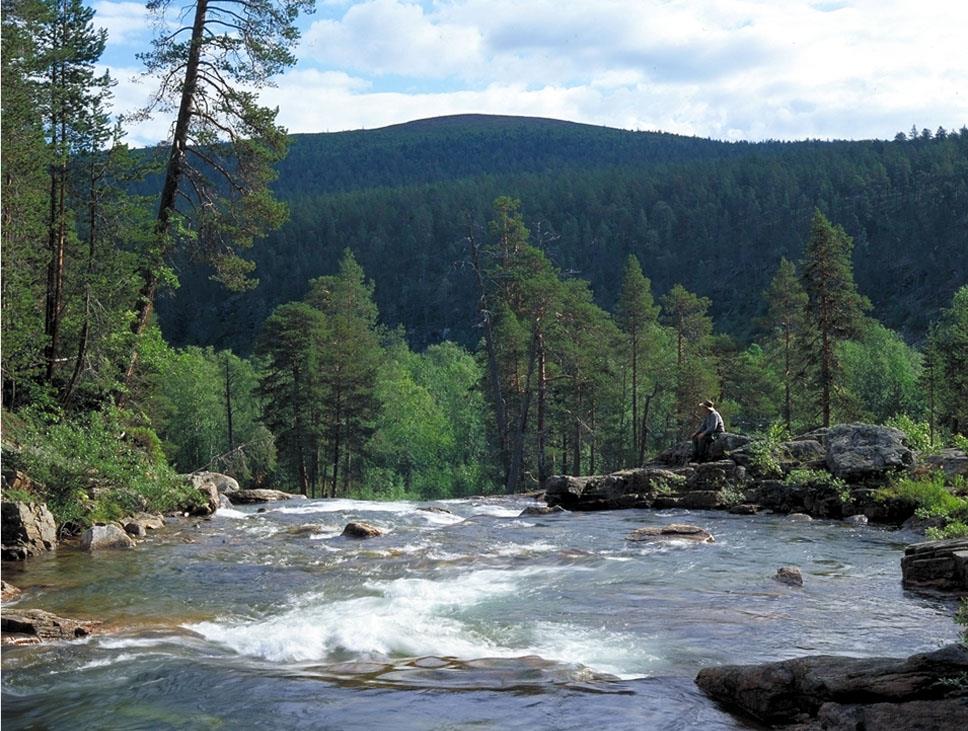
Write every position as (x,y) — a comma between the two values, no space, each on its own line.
(469,145)
(713,216)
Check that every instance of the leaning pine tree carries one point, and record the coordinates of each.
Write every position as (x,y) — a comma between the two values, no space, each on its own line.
(215,197)
(836,309)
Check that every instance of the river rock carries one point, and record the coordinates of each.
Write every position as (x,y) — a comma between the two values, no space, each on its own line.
(856,519)
(941,565)
(803,453)
(745,509)
(953,462)
(799,518)
(672,532)
(543,510)
(795,690)
(716,475)
(26,529)
(245,497)
(9,592)
(947,714)
(789,575)
(361,530)
(725,443)
(681,454)
(857,452)
(223,483)
(437,509)
(139,524)
(99,537)
(36,625)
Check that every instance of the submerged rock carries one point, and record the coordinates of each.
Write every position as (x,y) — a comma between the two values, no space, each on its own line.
(941,565)
(361,530)
(9,592)
(26,529)
(543,510)
(36,625)
(794,691)
(789,575)
(99,537)
(261,495)
(672,532)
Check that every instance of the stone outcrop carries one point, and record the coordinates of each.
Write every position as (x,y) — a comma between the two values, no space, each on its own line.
(858,452)
(26,529)
(361,530)
(100,537)
(636,488)
(261,495)
(211,485)
(843,688)
(672,532)
(139,524)
(36,625)
(940,565)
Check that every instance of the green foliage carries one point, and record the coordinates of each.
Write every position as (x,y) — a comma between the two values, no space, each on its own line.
(932,499)
(764,451)
(954,529)
(916,433)
(961,617)
(95,467)
(819,479)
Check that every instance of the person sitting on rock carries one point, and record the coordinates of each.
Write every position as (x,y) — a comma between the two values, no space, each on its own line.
(711,425)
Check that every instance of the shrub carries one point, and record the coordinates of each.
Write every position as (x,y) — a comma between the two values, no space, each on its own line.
(917,433)
(764,451)
(954,529)
(821,479)
(99,467)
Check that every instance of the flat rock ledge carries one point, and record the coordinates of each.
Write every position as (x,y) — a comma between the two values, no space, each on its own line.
(29,626)
(361,530)
(261,495)
(937,565)
(841,693)
(672,532)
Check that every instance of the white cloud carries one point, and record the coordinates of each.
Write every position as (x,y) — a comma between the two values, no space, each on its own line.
(125,22)
(749,69)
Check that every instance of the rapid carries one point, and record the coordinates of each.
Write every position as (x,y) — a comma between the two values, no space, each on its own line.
(465,616)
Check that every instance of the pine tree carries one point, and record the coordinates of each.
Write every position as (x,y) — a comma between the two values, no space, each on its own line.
(685,313)
(786,324)
(215,197)
(835,306)
(950,343)
(637,315)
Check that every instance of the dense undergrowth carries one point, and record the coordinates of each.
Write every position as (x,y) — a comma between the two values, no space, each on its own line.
(92,467)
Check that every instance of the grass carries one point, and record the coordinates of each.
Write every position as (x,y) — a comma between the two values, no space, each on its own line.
(933,498)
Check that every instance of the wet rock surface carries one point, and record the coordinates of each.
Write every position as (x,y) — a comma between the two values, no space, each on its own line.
(261,495)
(9,592)
(361,530)
(36,625)
(672,532)
(796,691)
(789,575)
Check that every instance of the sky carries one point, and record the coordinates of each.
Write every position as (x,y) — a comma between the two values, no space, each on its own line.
(725,69)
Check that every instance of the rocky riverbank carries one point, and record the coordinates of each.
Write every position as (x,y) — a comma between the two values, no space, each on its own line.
(924,691)
(828,473)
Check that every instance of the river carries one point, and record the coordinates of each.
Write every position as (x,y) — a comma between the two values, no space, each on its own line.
(470,619)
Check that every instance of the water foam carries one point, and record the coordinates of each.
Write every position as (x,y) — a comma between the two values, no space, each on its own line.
(345,505)
(231,513)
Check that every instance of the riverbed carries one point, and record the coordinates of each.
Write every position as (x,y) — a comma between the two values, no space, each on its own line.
(473,618)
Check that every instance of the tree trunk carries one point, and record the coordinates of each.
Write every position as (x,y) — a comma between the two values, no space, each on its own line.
(228,405)
(635,388)
(173,174)
(336,446)
(576,457)
(513,481)
(542,394)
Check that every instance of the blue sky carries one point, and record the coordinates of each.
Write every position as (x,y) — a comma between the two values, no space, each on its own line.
(728,69)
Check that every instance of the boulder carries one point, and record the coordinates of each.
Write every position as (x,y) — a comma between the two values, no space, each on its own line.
(672,532)
(134,529)
(26,529)
(745,509)
(940,565)
(9,592)
(139,524)
(821,500)
(210,499)
(36,625)
(245,497)
(817,435)
(858,452)
(725,443)
(633,488)
(543,510)
(716,475)
(361,530)
(795,690)
(953,462)
(856,519)
(789,575)
(99,537)
(803,452)
(700,500)
(681,454)
(799,518)
(223,483)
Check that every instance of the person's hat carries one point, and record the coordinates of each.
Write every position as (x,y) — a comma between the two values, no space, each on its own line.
(707,403)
